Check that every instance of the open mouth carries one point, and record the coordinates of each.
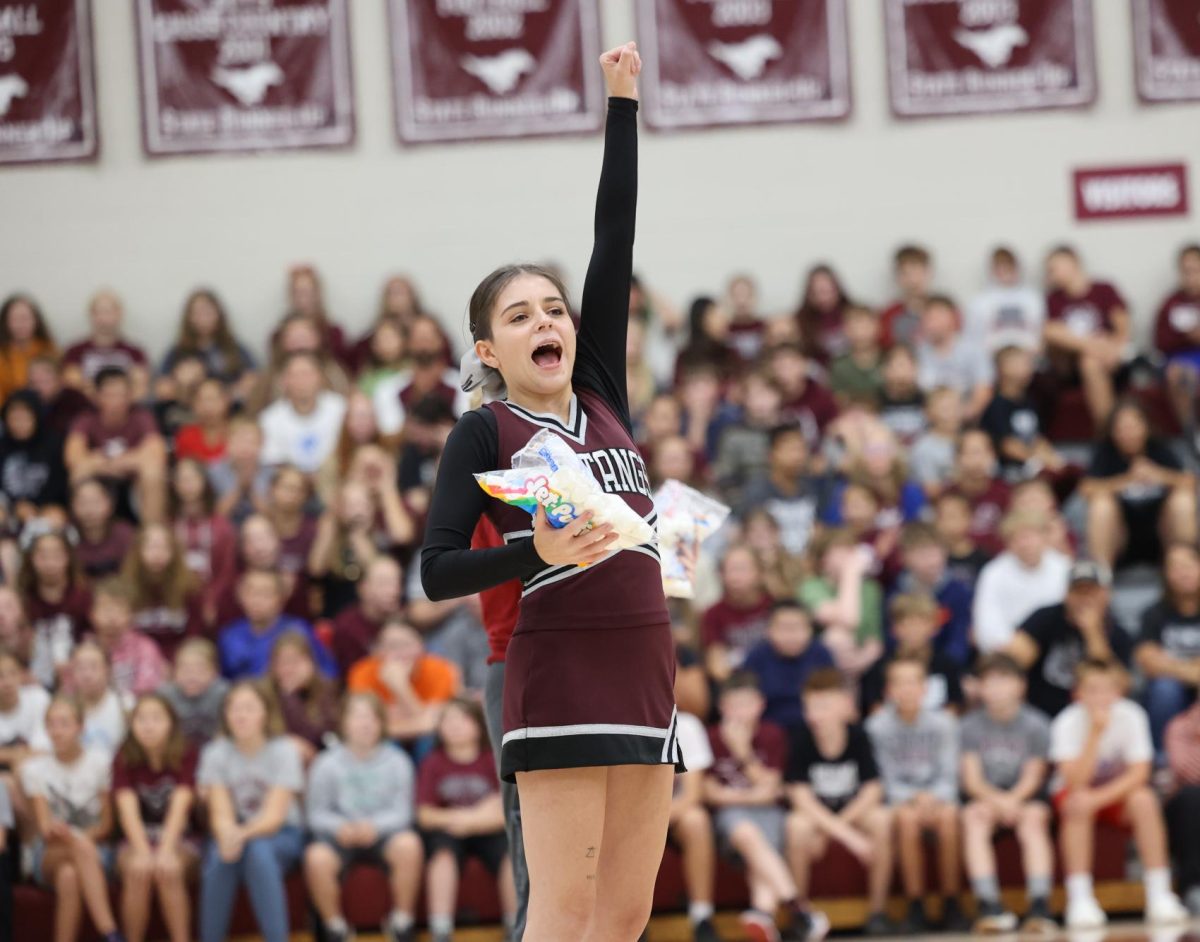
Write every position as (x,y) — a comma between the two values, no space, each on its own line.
(548,354)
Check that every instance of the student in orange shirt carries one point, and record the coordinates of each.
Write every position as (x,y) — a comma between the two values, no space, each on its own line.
(411,683)
(24,336)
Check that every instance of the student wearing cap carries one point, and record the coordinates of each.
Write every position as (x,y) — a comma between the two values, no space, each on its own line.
(1053,641)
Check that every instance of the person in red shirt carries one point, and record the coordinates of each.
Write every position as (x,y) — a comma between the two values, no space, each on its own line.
(460,814)
(1177,337)
(900,321)
(744,787)
(1087,331)
(738,620)
(105,347)
(975,468)
(120,442)
(379,599)
(205,439)
(153,786)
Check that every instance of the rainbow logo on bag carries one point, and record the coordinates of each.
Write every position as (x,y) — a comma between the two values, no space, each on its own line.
(528,495)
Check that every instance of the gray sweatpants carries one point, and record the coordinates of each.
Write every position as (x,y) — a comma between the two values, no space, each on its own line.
(493,703)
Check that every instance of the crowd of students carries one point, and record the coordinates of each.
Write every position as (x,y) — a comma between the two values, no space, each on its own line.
(217,663)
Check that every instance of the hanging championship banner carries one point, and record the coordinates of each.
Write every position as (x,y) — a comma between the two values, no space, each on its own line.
(474,69)
(47,84)
(983,56)
(1166,37)
(244,75)
(719,62)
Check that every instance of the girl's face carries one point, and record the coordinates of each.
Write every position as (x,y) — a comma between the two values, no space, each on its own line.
(51,560)
(150,725)
(1183,570)
(189,482)
(739,573)
(743,296)
(203,317)
(533,339)
(976,456)
(354,503)
(62,727)
(457,728)
(822,291)
(300,337)
(245,443)
(106,314)
(91,505)
(157,549)
(360,726)
(89,670)
(663,418)
(210,403)
(1129,432)
(22,322)
(288,492)
(878,454)
(305,294)
(245,715)
(292,668)
(789,369)
(761,533)
(360,419)
(387,344)
(21,421)
(260,543)
(673,459)
(715,322)
(398,297)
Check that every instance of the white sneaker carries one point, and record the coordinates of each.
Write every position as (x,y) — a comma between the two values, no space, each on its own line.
(1085,914)
(1166,910)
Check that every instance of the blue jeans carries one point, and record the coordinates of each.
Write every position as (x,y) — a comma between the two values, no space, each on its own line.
(1165,698)
(264,863)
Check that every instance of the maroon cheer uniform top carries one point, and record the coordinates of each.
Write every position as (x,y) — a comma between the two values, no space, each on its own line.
(590,669)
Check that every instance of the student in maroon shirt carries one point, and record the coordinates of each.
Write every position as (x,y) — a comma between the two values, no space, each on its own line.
(823,304)
(1087,331)
(259,549)
(153,787)
(459,812)
(306,297)
(307,700)
(975,478)
(746,331)
(208,539)
(738,620)
(105,347)
(899,322)
(379,598)
(805,401)
(167,605)
(1177,337)
(103,539)
(287,509)
(57,602)
(120,441)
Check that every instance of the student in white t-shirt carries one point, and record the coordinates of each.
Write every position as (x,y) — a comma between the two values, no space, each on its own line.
(103,712)
(22,726)
(68,789)
(302,426)
(1102,752)
(1008,312)
(690,827)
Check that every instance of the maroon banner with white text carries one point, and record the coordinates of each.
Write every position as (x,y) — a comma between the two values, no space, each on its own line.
(717,62)
(983,56)
(466,70)
(1166,37)
(47,83)
(1131,192)
(246,75)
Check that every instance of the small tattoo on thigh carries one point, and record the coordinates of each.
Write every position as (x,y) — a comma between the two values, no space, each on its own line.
(591,852)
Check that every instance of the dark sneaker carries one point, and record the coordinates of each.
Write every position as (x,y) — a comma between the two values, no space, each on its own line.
(914,921)
(878,925)
(993,918)
(807,926)
(705,931)
(953,919)
(337,935)
(1039,921)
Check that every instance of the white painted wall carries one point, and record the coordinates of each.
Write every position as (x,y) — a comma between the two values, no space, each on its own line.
(769,200)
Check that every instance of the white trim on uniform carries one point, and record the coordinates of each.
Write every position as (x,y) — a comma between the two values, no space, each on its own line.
(591,729)
(671,745)
(575,429)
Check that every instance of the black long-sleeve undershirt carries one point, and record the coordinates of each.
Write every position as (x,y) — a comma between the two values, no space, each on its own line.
(449,567)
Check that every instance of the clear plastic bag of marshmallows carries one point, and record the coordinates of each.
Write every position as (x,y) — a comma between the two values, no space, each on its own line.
(548,472)
(686,518)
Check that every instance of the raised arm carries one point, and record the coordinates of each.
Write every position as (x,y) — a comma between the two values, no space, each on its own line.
(604,310)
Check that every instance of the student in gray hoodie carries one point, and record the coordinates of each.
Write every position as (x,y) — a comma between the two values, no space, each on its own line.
(360,810)
(917,753)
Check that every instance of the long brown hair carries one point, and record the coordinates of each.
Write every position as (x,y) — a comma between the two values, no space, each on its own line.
(171,587)
(272,724)
(808,318)
(27,581)
(188,341)
(485,295)
(134,753)
(41,330)
(474,712)
(317,689)
(418,308)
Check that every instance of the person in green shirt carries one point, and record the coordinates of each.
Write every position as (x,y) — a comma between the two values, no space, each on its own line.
(857,373)
(844,600)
